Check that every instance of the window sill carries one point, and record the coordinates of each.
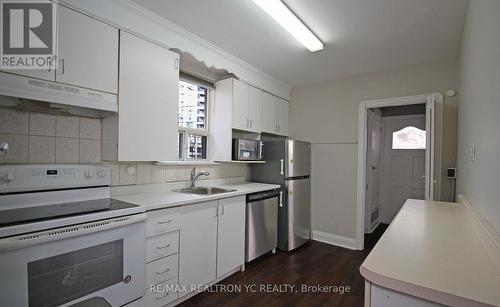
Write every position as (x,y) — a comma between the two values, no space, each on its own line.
(187,163)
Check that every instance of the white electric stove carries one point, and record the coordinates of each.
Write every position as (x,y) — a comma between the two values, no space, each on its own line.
(63,240)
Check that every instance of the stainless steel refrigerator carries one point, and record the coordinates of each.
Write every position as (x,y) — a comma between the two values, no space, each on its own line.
(288,163)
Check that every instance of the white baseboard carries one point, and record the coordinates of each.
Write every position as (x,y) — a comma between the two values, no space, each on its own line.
(332,239)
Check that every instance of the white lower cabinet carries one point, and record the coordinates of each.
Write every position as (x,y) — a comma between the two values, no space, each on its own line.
(383,297)
(163,294)
(162,245)
(231,235)
(197,265)
(205,242)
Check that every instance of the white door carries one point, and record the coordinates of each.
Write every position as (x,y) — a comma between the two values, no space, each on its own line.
(231,235)
(269,109)
(403,162)
(87,52)
(282,116)
(240,106)
(255,109)
(148,100)
(198,244)
(373,169)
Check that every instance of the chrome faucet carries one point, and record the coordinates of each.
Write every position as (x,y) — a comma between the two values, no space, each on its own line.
(195,176)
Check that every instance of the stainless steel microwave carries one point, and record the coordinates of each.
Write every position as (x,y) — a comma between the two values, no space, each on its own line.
(247,150)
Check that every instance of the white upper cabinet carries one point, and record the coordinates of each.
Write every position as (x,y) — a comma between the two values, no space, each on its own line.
(255,109)
(146,127)
(275,115)
(231,235)
(87,52)
(240,105)
(269,124)
(247,107)
(44,74)
(282,116)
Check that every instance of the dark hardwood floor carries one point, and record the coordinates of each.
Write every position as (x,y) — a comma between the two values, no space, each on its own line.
(313,264)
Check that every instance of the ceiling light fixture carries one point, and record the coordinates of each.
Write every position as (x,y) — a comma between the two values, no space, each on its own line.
(282,14)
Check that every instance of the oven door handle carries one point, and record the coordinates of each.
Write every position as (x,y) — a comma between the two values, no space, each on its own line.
(26,240)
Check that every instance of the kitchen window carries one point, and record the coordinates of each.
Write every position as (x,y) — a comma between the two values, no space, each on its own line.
(193,122)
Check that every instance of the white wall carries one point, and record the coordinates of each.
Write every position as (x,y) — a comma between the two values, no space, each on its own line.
(479,109)
(326,114)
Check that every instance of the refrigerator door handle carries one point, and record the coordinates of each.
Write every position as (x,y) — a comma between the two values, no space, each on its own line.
(282,166)
(281,199)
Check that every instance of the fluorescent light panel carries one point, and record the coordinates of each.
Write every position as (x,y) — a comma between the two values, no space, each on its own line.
(280,12)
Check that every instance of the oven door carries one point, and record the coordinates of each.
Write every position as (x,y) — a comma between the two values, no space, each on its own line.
(60,267)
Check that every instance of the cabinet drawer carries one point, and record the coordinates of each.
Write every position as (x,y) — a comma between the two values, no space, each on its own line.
(161,222)
(162,246)
(163,269)
(164,294)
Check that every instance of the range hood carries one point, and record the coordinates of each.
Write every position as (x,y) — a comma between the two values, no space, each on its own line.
(59,94)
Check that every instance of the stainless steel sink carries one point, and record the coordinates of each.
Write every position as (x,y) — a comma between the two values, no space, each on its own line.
(203,190)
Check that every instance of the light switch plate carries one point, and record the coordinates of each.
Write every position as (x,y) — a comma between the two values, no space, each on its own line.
(473,152)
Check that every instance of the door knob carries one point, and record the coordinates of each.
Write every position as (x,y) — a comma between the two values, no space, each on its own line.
(4,148)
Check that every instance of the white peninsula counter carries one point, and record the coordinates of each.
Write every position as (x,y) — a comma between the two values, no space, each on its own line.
(431,254)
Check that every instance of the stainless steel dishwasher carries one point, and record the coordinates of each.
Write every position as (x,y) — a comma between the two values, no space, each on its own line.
(261,223)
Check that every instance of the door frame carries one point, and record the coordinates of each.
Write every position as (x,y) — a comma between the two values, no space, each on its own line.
(430,101)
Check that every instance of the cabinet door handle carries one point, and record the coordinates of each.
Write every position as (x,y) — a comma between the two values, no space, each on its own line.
(61,71)
(162,297)
(281,199)
(282,166)
(164,246)
(176,64)
(216,211)
(250,123)
(164,222)
(163,272)
(222,210)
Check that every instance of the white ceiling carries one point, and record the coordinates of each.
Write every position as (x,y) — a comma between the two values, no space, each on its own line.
(360,36)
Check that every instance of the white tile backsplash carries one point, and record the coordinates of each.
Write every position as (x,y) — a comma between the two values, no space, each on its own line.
(42,124)
(42,149)
(128,173)
(184,173)
(18,148)
(67,150)
(90,128)
(68,126)
(45,138)
(144,173)
(171,173)
(12,121)
(158,174)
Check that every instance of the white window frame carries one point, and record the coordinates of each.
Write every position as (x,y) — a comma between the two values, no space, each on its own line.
(201,132)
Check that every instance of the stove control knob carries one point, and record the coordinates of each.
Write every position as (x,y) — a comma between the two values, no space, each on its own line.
(8,177)
(89,174)
(101,173)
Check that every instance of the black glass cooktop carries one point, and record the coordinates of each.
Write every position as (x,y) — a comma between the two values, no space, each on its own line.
(11,217)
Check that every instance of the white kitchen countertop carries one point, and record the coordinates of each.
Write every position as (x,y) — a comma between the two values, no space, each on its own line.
(432,251)
(165,198)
